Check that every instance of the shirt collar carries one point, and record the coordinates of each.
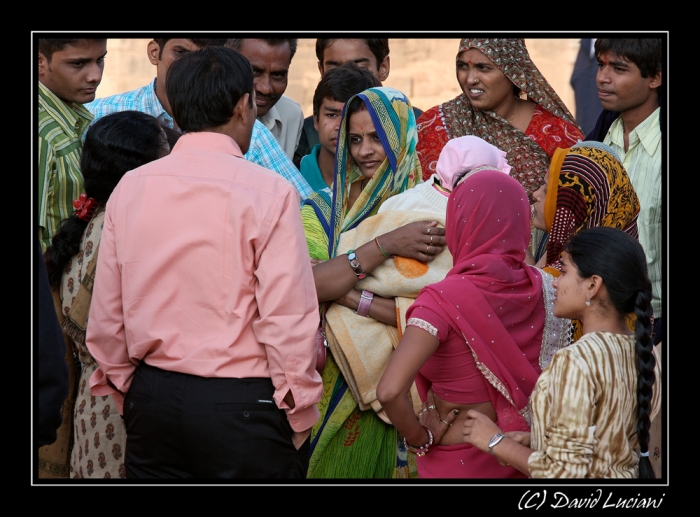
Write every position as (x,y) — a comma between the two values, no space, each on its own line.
(648,133)
(73,118)
(271,118)
(208,140)
(151,99)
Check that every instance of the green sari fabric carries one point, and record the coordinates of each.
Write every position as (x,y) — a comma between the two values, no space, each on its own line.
(347,442)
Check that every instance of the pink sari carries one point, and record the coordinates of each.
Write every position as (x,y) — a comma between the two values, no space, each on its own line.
(494,302)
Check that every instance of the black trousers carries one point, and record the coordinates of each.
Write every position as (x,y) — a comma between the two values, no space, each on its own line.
(184,426)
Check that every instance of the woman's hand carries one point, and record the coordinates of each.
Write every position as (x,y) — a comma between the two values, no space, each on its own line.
(521,437)
(420,240)
(479,429)
(316,261)
(430,418)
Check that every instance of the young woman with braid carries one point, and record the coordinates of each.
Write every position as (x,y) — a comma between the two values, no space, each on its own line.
(592,406)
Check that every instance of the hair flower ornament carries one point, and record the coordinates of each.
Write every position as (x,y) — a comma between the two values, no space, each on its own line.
(84,207)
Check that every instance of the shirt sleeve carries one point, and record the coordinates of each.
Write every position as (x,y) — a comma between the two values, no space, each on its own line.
(569,431)
(266,151)
(288,313)
(46,159)
(106,337)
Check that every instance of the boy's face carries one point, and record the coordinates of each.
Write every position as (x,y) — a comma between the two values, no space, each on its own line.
(621,86)
(75,72)
(343,51)
(327,123)
(162,58)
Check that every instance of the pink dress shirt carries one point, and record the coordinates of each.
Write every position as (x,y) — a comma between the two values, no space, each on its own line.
(203,269)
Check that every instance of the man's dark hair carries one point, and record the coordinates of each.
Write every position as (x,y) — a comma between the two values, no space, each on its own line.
(237,43)
(47,46)
(643,52)
(378,46)
(341,83)
(200,42)
(204,87)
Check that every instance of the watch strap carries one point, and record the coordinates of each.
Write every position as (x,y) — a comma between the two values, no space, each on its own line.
(495,441)
(365,301)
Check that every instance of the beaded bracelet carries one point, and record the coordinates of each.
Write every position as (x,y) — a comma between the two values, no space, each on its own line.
(355,265)
(423,449)
(376,241)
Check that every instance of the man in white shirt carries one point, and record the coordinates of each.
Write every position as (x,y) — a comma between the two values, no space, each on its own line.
(270,59)
(629,80)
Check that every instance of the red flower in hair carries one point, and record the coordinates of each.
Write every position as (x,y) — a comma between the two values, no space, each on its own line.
(84,207)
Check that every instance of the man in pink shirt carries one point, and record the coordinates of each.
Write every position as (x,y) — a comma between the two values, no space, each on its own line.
(204,310)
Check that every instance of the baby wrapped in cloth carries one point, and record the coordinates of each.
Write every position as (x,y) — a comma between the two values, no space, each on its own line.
(362,346)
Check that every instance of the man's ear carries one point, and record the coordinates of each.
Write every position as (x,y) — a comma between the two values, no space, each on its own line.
(241,108)
(43,64)
(384,69)
(655,80)
(153,51)
(315,119)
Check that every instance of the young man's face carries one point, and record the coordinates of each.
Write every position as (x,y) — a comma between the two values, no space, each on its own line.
(621,86)
(327,123)
(75,72)
(173,49)
(343,51)
(270,70)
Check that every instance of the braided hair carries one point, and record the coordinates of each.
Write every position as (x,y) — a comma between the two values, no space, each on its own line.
(619,260)
(114,145)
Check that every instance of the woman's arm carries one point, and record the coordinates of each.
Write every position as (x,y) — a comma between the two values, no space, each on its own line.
(335,277)
(414,349)
(479,430)
(381,309)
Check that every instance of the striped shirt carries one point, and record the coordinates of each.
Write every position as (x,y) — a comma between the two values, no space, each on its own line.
(584,410)
(61,127)
(264,149)
(642,162)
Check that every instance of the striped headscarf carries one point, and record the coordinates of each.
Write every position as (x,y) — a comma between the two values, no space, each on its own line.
(395,123)
(587,186)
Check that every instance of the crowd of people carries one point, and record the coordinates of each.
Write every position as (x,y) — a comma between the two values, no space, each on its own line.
(230,290)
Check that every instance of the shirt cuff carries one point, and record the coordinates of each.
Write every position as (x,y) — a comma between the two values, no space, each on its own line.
(100,387)
(303,419)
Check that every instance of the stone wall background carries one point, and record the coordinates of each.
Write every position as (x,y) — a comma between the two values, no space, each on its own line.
(422,68)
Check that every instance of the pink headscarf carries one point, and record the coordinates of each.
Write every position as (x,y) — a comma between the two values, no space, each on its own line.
(466,153)
(490,295)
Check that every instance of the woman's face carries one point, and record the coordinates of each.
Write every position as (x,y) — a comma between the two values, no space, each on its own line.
(570,295)
(485,86)
(538,208)
(363,141)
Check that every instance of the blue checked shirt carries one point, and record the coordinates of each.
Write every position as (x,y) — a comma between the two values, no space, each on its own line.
(264,149)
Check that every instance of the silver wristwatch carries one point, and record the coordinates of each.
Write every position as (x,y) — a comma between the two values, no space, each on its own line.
(495,441)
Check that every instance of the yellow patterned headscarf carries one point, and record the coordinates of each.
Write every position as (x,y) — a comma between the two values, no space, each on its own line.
(587,186)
